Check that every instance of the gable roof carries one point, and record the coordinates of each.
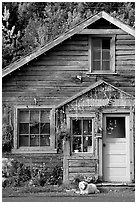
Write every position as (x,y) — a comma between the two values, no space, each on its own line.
(96,84)
(77,29)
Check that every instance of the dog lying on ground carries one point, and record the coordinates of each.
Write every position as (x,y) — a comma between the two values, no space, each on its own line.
(87,188)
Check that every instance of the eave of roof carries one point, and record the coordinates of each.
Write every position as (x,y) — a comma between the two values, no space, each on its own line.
(75,30)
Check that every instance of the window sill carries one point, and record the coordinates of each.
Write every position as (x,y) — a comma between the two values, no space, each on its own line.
(24,150)
(101,73)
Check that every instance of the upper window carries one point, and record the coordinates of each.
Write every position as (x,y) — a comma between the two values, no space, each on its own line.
(35,129)
(102,54)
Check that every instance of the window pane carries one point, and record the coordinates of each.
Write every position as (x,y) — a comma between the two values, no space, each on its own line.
(96,55)
(44,140)
(87,144)
(77,144)
(23,140)
(96,65)
(34,128)
(97,43)
(106,55)
(24,116)
(45,128)
(87,127)
(76,127)
(34,140)
(45,116)
(23,128)
(106,44)
(115,127)
(105,65)
(34,116)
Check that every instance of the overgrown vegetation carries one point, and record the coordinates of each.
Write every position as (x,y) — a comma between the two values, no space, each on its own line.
(29,25)
(17,174)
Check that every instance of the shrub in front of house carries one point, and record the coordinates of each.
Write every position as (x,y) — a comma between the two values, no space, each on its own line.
(15,173)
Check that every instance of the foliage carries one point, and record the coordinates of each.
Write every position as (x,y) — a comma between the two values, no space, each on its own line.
(28,25)
(7,130)
(18,174)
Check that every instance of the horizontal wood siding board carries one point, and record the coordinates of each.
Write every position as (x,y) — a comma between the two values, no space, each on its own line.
(81,163)
(81,169)
(125,57)
(125,52)
(60,63)
(125,62)
(70,53)
(125,42)
(74,175)
(125,36)
(125,47)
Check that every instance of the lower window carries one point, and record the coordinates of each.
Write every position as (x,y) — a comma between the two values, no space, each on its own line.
(82,135)
(34,128)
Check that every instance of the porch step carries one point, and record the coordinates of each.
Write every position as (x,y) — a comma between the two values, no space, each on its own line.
(115,184)
(106,187)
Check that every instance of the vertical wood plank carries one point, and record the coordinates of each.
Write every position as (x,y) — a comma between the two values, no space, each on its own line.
(89,53)
(15,129)
(65,169)
(131,143)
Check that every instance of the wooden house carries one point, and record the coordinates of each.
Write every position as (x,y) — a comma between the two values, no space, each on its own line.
(80,84)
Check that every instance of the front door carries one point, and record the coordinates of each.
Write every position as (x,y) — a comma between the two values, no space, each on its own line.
(116,148)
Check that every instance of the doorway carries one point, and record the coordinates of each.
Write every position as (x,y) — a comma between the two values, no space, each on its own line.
(116,148)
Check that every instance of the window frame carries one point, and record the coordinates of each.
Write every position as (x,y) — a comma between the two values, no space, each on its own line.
(112,54)
(47,149)
(71,117)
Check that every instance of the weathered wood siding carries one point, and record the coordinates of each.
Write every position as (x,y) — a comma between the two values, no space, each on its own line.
(48,160)
(52,77)
(82,166)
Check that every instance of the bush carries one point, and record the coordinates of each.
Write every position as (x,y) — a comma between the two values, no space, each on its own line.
(56,176)
(7,138)
(18,174)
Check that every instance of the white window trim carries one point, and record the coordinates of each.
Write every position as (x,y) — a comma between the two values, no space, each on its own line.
(88,116)
(112,55)
(46,149)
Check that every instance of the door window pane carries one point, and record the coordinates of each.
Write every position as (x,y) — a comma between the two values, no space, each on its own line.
(115,127)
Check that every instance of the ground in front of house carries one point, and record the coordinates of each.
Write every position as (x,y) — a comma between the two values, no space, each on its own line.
(117,194)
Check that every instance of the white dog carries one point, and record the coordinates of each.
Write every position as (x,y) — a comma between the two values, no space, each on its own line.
(87,188)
